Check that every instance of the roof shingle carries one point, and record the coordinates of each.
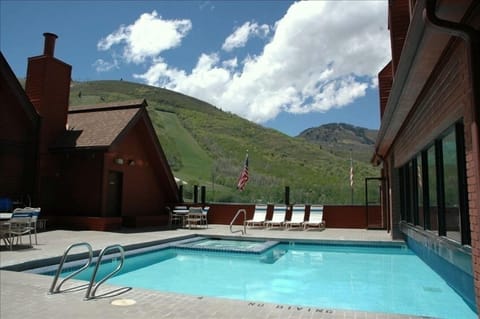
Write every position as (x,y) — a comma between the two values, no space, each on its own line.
(98,127)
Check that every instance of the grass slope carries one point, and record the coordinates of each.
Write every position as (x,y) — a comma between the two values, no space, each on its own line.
(206,146)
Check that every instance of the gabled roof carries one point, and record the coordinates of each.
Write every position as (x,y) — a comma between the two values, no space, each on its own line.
(98,126)
(13,85)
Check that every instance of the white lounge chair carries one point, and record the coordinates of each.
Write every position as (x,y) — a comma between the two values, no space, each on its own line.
(298,216)
(316,218)
(278,218)
(259,217)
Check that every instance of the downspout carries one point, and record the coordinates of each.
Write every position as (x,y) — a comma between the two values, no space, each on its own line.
(472,41)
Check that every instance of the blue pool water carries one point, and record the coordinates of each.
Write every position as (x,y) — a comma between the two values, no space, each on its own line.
(378,279)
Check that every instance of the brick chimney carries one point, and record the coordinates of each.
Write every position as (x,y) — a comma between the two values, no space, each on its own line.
(48,87)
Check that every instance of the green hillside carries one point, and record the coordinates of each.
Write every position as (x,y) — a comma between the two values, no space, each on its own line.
(206,146)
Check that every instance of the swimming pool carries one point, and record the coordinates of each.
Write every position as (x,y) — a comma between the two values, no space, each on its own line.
(388,279)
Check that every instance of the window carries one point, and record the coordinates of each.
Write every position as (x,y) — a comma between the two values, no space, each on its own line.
(434,189)
(450,176)
(403,198)
(420,188)
(408,193)
(412,170)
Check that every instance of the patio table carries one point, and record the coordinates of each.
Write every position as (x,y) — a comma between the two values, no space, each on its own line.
(179,215)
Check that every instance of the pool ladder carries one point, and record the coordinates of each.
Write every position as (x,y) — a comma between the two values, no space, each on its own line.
(244,231)
(91,285)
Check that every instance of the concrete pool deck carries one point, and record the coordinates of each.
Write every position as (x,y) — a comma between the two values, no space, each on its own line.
(24,295)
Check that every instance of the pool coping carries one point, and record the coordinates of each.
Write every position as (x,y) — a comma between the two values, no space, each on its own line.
(16,286)
(263,246)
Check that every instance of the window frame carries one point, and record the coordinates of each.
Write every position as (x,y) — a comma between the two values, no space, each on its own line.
(409,186)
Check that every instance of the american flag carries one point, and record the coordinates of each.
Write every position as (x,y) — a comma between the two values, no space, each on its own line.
(243,179)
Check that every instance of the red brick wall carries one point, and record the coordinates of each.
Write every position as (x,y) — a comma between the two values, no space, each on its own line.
(48,87)
(444,101)
(473,185)
(145,184)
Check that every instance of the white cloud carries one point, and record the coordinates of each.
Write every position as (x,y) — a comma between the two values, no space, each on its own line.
(322,55)
(147,37)
(230,64)
(241,35)
(103,66)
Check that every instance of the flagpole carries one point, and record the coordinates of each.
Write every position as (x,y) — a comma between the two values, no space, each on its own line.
(213,184)
(351,177)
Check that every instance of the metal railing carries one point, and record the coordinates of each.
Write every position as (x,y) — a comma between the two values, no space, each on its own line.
(91,293)
(91,285)
(56,289)
(244,231)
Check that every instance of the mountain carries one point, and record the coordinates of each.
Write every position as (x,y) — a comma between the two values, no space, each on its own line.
(206,146)
(341,139)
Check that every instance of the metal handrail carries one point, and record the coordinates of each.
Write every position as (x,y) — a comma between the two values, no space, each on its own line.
(244,231)
(91,294)
(54,290)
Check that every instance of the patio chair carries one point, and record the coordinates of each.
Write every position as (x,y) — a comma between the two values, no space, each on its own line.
(20,224)
(259,217)
(298,216)
(316,218)
(204,220)
(35,213)
(194,217)
(5,233)
(278,218)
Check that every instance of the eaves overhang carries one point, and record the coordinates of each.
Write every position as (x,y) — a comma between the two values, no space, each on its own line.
(421,51)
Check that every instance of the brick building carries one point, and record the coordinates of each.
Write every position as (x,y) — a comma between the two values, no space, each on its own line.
(97,167)
(429,139)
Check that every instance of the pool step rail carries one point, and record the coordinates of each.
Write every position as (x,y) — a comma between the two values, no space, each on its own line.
(244,231)
(92,286)
(56,289)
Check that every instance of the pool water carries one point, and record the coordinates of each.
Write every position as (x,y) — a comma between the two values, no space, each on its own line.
(378,279)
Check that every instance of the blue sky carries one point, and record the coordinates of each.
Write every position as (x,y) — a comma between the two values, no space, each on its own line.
(283,64)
